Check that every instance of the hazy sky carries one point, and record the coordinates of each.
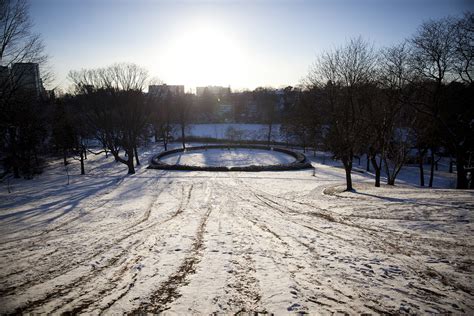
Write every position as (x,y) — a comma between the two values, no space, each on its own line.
(243,44)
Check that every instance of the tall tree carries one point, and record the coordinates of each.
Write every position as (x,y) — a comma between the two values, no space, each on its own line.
(117,110)
(440,56)
(385,112)
(341,74)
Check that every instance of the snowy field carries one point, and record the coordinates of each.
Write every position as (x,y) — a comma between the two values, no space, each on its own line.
(204,242)
(240,157)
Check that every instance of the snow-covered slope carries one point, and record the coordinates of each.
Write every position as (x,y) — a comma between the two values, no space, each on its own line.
(203,242)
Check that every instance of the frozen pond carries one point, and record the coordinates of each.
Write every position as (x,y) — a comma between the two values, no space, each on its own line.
(235,157)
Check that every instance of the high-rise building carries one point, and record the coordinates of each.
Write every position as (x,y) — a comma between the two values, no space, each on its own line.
(26,76)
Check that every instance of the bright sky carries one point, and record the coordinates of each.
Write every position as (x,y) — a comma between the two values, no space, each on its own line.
(242,44)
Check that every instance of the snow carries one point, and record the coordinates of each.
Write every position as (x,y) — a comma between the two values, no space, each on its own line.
(228,157)
(193,242)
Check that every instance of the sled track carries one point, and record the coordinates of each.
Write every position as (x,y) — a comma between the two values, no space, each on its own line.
(169,290)
(111,262)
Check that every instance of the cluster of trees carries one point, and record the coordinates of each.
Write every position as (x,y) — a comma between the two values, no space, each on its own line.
(109,105)
(386,103)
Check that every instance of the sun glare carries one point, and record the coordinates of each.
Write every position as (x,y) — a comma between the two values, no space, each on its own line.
(205,55)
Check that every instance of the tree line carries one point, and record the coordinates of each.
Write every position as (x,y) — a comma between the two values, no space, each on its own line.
(415,96)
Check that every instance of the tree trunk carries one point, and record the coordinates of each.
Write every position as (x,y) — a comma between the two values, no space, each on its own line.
(377,177)
(348,168)
(368,163)
(183,137)
(136,155)
(131,167)
(390,176)
(82,152)
(422,173)
(377,171)
(269,136)
(432,167)
(451,165)
(461,182)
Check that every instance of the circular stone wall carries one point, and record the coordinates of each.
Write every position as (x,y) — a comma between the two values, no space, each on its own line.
(230,158)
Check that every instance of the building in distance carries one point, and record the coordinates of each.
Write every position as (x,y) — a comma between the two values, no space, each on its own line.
(164,89)
(24,77)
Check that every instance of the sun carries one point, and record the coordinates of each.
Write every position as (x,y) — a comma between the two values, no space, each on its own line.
(205,55)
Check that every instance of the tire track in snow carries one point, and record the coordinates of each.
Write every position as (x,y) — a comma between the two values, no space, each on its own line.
(62,224)
(182,206)
(114,283)
(267,205)
(112,262)
(169,289)
(285,260)
(60,269)
(256,214)
(380,240)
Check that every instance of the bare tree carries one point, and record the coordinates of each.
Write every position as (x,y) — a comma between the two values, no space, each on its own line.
(395,153)
(440,56)
(116,108)
(17,41)
(464,48)
(385,111)
(341,73)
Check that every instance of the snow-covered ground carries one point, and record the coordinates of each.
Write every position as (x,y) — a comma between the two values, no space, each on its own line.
(228,157)
(204,242)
